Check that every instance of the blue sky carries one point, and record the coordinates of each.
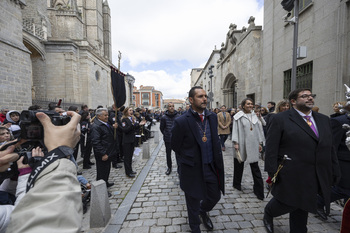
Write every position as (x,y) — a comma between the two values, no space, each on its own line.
(161,41)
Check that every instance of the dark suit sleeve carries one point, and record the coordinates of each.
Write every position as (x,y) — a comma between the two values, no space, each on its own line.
(162,125)
(99,149)
(273,138)
(177,137)
(337,132)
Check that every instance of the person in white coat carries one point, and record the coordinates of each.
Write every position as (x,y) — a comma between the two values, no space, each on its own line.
(248,138)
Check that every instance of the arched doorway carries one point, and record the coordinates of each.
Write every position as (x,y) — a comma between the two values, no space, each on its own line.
(229,91)
(37,58)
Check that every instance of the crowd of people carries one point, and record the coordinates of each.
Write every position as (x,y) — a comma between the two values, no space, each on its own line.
(109,134)
(304,153)
(307,169)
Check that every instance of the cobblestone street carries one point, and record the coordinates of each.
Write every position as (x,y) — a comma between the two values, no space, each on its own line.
(154,202)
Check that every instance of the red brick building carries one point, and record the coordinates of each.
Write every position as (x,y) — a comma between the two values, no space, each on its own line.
(147,97)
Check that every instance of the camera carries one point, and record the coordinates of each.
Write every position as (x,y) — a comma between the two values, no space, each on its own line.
(33,133)
(286,16)
(32,129)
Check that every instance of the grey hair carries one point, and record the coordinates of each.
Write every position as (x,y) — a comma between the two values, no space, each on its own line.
(100,110)
(3,108)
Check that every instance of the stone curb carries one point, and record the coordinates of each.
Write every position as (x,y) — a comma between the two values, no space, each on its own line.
(119,216)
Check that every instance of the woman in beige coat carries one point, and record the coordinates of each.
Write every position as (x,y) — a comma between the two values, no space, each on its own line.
(248,137)
(224,121)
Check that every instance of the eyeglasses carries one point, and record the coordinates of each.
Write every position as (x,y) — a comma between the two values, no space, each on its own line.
(307,96)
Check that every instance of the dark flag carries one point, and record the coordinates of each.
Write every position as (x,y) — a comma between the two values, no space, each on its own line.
(118,87)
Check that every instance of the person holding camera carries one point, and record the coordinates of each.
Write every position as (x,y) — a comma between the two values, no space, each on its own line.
(13,189)
(53,193)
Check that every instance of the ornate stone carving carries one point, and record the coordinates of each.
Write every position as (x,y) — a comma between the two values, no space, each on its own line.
(251,21)
(222,51)
(230,35)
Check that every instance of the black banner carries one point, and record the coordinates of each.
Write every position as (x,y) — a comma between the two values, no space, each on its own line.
(118,87)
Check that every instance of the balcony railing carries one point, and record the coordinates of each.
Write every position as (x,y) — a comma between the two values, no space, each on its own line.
(30,27)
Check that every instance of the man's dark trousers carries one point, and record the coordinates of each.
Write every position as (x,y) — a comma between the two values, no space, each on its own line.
(297,217)
(223,138)
(103,169)
(168,154)
(213,195)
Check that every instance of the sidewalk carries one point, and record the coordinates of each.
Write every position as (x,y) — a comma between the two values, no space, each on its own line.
(157,204)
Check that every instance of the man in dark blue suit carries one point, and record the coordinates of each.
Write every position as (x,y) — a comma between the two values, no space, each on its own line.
(312,168)
(195,140)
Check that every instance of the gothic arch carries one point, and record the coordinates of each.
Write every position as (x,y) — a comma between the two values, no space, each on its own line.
(229,90)
(37,57)
(34,45)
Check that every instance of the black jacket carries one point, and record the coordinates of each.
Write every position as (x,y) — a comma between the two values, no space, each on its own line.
(313,165)
(342,151)
(129,130)
(102,139)
(166,123)
(112,119)
(185,142)
(85,127)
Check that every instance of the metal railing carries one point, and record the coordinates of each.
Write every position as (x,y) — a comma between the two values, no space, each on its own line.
(65,104)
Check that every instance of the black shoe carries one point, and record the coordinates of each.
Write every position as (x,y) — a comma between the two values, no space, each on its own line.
(168,171)
(131,175)
(259,196)
(206,221)
(133,172)
(91,163)
(120,160)
(321,214)
(116,166)
(87,167)
(237,187)
(109,194)
(268,222)
(79,173)
(109,184)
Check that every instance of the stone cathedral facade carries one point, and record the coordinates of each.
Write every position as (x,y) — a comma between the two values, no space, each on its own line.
(55,49)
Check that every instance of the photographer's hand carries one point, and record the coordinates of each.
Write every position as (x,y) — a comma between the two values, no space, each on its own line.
(37,152)
(6,157)
(66,135)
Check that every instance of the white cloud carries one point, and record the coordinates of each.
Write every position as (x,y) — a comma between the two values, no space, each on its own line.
(152,31)
(171,86)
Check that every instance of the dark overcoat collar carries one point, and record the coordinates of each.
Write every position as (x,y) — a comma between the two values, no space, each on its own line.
(193,121)
(298,119)
(99,123)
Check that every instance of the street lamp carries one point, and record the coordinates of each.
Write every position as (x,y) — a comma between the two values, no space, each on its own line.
(288,6)
(211,94)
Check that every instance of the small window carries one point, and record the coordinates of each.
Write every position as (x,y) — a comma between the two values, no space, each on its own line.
(97,75)
(303,78)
